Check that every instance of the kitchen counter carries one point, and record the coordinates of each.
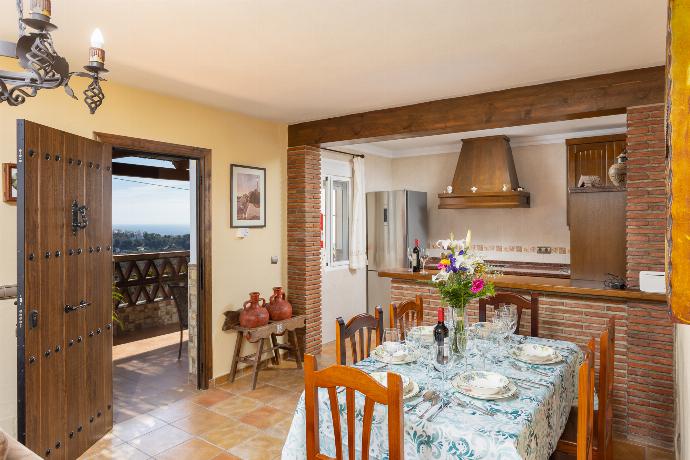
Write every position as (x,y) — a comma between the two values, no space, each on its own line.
(543,284)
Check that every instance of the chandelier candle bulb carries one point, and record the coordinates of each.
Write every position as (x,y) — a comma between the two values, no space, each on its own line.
(40,7)
(96,52)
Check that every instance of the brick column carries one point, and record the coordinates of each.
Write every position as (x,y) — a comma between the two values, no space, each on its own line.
(646,190)
(303,240)
(650,388)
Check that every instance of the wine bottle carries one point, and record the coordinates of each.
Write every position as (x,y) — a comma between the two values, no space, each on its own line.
(441,339)
(416,261)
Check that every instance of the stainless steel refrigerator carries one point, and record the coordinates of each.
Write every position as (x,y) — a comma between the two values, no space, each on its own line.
(394,220)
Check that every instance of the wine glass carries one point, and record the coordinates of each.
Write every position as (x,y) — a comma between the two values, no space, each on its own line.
(510,315)
(410,257)
(501,324)
(481,334)
(391,340)
(424,256)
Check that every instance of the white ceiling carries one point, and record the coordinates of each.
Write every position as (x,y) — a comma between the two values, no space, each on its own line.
(302,60)
(542,133)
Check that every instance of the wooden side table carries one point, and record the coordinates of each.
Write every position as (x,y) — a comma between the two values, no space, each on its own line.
(267,338)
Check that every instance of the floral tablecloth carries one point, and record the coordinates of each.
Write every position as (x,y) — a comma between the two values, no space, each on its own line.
(527,425)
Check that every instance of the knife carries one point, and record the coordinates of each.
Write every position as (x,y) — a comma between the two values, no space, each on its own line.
(443,405)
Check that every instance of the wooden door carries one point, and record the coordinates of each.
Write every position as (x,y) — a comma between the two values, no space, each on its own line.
(64,316)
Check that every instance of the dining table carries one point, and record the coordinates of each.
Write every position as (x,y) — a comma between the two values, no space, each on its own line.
(526,425)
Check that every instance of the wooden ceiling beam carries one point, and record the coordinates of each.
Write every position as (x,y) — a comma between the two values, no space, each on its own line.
(586,97)
(149,172)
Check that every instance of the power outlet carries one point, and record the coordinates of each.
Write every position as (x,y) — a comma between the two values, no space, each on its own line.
(544,250)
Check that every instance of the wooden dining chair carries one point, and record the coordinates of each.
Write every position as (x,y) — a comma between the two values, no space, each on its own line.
(522,303)
(407,314)
(354,330)
(579,441)
(353,380)
(603,416)
(603,446)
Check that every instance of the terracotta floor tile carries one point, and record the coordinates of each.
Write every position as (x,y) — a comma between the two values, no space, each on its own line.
(177,410)
(280,429)
(230,435)
(203,421)
(286,403)
(210,397)
(264,417)
(194,449)
(121,452)
(137,426)
(264,393)
(260,447)
(226,456)
(239,386)
(235,406)
(160,440)
(106,443)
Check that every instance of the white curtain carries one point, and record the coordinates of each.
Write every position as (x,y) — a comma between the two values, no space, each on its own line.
(358,244)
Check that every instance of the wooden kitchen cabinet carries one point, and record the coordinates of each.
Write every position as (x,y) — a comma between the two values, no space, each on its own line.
(597,233)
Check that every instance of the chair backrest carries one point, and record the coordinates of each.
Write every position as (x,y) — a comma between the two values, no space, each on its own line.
(354,330)
(607,350)
(179,293)
(407,314)
(522,303)
(353,380)
(585,401)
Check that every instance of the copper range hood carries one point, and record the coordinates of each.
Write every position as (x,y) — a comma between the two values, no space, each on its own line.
(485,177)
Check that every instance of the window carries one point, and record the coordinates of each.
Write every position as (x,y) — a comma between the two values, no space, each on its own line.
(335,199)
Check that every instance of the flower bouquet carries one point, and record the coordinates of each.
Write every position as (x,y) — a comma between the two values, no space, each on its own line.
(463,277)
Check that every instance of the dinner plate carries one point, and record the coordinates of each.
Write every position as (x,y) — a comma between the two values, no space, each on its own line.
(483,383)
(536,354)
(410,387)
(461,383)
(380,354)
(509,392)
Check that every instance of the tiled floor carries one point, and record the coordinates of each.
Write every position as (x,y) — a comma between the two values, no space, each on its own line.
(228,422)
(160,416)
(147,375)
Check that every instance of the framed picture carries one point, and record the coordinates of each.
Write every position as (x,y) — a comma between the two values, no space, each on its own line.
(10,188)
(247,196)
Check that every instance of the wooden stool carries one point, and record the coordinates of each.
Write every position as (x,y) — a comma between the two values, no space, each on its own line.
(267,338)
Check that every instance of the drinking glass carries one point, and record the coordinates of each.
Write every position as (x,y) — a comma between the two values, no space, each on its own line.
(410,257)
(501,324)
(482,334)
(509,313)
(424,256)
(391,340)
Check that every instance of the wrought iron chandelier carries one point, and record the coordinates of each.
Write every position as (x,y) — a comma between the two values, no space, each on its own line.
(44,67)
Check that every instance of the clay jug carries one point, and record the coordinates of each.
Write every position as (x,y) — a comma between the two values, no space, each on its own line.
(279,308)
(254,313)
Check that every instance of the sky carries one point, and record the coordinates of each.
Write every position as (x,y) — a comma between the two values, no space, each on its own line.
(150,201)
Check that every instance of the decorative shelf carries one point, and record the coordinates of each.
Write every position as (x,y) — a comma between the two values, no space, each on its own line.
(519,199)
(595,189)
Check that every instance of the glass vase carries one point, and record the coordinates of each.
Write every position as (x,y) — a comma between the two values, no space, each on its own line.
(458,331)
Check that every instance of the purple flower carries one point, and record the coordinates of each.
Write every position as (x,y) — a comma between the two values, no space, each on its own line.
(477,285)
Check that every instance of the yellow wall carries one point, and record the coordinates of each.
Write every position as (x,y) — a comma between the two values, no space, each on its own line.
(239,266)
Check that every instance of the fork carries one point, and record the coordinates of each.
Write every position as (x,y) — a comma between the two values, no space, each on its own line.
(472,406)
(529,369)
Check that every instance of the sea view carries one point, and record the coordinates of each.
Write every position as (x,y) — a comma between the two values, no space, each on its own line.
(162,229)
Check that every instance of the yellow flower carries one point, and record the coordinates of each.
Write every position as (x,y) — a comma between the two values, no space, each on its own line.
(445,262)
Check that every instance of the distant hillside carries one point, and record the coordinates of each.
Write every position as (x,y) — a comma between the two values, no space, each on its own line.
(130,242)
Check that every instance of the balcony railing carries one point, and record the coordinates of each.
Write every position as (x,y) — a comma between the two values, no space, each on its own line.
(143,278)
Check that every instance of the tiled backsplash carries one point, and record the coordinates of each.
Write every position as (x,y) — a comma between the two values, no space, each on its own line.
(508,248)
